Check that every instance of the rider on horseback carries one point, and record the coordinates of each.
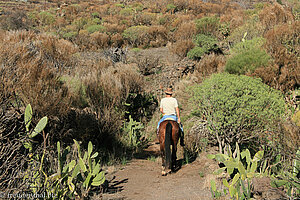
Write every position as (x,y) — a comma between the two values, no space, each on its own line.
(169,109)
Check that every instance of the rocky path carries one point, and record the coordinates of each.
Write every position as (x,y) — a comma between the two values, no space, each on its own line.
(141,179)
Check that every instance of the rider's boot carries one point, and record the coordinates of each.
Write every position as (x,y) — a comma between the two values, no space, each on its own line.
(182,141)
(181,137)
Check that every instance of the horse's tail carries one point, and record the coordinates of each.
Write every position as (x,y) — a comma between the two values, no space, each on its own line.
(168,136)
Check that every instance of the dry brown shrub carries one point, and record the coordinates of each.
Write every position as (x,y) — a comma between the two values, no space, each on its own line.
(181,4)
(155,6)
(291,136)
(102,9)
(182,47)
(33,62)
(235,18)
(83,40)
(158,36)
(145,18)
(21,46)
(275,14)
(185,31)
(100,40)
(60,22)
(72,10)
(108,19)
(212,8)
(283,45)
(195,7)
(198,16)
(117,40)
(181,19)
(107,89)
(165,19)
(208,65)
(114,28)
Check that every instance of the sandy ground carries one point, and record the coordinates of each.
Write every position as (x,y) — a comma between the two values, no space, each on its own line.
(141,179)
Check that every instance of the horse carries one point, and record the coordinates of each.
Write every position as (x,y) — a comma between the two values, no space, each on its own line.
(168,135)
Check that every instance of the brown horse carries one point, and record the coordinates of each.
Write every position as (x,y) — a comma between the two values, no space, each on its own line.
(168,135)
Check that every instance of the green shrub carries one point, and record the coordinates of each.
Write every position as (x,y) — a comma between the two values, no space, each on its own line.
(96,21)
(138,6)
(207,42)
(120,5)
(204,44)
(247,56)
(126,11)
(162,20)
(70,35)
(259,6)
(46,18)
(296,118)
(135,34)
(237,106)
(255,43)
(95,15)
(196,53)
(80,23)
(136,50)
(252,29)
(247,61)
(95,28)
(171,7)
(207,25)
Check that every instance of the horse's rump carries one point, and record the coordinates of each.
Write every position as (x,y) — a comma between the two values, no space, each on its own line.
(162,130)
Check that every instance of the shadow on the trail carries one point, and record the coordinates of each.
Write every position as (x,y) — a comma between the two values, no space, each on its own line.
(113,186)
(151,150)
(177,166)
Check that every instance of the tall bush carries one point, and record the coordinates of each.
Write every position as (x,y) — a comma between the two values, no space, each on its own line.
(247,56)
(237,107)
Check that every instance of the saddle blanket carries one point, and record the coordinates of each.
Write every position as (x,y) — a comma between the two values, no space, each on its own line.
(169,117)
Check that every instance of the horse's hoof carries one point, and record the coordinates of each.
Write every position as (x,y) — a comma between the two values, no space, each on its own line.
(163,173)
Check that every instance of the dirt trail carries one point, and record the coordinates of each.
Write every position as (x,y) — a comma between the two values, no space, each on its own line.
(141,179)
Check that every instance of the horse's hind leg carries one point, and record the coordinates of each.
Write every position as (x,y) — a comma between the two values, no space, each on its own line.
(174,157)
(163,165)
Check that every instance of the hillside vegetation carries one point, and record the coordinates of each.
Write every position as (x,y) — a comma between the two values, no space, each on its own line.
(76,62)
